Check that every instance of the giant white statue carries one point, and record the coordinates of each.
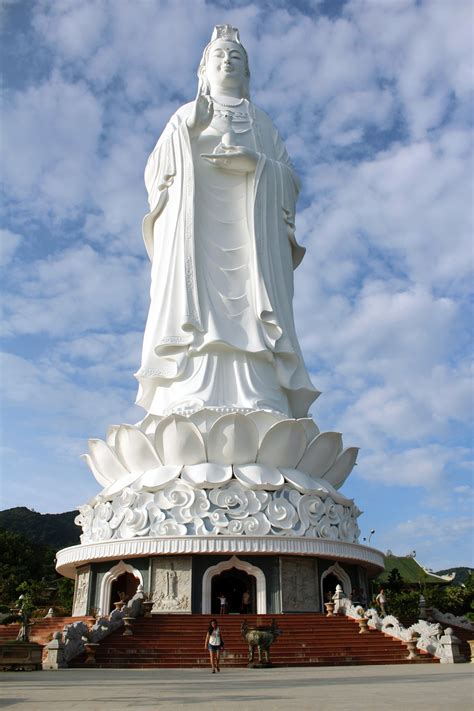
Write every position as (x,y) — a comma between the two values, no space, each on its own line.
(220,234)
(226,447)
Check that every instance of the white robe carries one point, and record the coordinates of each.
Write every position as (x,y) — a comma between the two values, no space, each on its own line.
(220,331)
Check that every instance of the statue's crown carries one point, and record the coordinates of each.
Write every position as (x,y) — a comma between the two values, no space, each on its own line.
(226,32)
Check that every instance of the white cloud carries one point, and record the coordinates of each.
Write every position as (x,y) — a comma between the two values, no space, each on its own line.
(424,466)
(426,48)
(9,243)
(408,206)
(439,543)
(69,406)
(76,29)
(75,291)
(52,132)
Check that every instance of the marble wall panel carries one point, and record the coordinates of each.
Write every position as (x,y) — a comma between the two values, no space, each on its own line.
(299,583)
(81,592)
(171,584)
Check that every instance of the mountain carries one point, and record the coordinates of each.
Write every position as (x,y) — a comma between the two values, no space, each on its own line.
(56,530)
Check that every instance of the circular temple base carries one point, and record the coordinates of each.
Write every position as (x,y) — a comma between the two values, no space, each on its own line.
(68,559)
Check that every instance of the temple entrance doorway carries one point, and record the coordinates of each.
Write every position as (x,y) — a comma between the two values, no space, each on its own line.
(123,588)
(329,586)
(233,583)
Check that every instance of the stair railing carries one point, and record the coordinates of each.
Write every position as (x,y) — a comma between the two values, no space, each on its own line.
(77,634)
(430,637)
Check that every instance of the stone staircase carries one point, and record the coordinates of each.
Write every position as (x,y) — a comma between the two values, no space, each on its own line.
(307,640)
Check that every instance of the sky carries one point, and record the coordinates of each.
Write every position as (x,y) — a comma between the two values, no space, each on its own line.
(374,101)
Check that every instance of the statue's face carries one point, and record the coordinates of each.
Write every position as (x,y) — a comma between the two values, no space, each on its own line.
(225,66)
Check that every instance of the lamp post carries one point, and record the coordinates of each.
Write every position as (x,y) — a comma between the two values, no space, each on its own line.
(372,531)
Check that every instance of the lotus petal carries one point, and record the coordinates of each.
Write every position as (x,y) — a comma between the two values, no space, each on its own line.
(204,419)
(283,445)
(334,494)
(342,467)
(135,450)
(117,486)
(233,439)
(319,487)
(149,424)
(101,478)
(301,481)
(258,476)
(208,474)
(310,427)
(178,441)
(156,478)
(321,454)
(105,460)
(263,421)
(111,434)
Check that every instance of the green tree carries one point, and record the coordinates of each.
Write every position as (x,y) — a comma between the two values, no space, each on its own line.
(19,563)
(28,568)
(395,582)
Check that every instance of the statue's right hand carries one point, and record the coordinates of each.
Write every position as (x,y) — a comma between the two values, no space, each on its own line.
(201,114)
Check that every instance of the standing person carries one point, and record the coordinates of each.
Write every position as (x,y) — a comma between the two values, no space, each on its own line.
(223,603)
(246,600)
(214,643)
(382,601)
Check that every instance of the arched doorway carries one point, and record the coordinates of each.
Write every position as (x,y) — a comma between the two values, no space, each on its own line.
(259,601)
(335,575)
(233,584)
(107,596)
(123,588)
(329,586)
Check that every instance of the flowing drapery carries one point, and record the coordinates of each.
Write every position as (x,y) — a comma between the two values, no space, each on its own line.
(260,364)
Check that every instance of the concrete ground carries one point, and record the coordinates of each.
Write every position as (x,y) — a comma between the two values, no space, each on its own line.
(448,687)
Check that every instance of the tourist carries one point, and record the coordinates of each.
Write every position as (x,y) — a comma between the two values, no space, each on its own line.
(382,601)
(214,643)
(223,603)
(246,600)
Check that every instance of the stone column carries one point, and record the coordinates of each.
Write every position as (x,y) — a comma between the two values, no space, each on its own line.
(55,653)
(451,645)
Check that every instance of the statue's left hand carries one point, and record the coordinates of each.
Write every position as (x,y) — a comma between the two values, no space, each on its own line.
(238,159)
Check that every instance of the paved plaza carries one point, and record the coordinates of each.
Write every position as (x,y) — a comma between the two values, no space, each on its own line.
(446,687)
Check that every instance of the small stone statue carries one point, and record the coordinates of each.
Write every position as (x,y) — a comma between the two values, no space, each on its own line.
(24,616)
(338,599)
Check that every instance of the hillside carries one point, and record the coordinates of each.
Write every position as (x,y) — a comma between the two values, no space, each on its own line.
(55,530)
(410,570)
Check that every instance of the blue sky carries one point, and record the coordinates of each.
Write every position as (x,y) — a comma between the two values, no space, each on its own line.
(373,98)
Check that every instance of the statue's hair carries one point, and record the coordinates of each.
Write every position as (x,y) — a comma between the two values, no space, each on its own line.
(201,72)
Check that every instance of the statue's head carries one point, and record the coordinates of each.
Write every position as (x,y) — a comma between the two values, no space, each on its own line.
(224,62)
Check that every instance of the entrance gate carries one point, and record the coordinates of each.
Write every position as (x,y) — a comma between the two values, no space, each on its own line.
(232,584)
(257,586)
